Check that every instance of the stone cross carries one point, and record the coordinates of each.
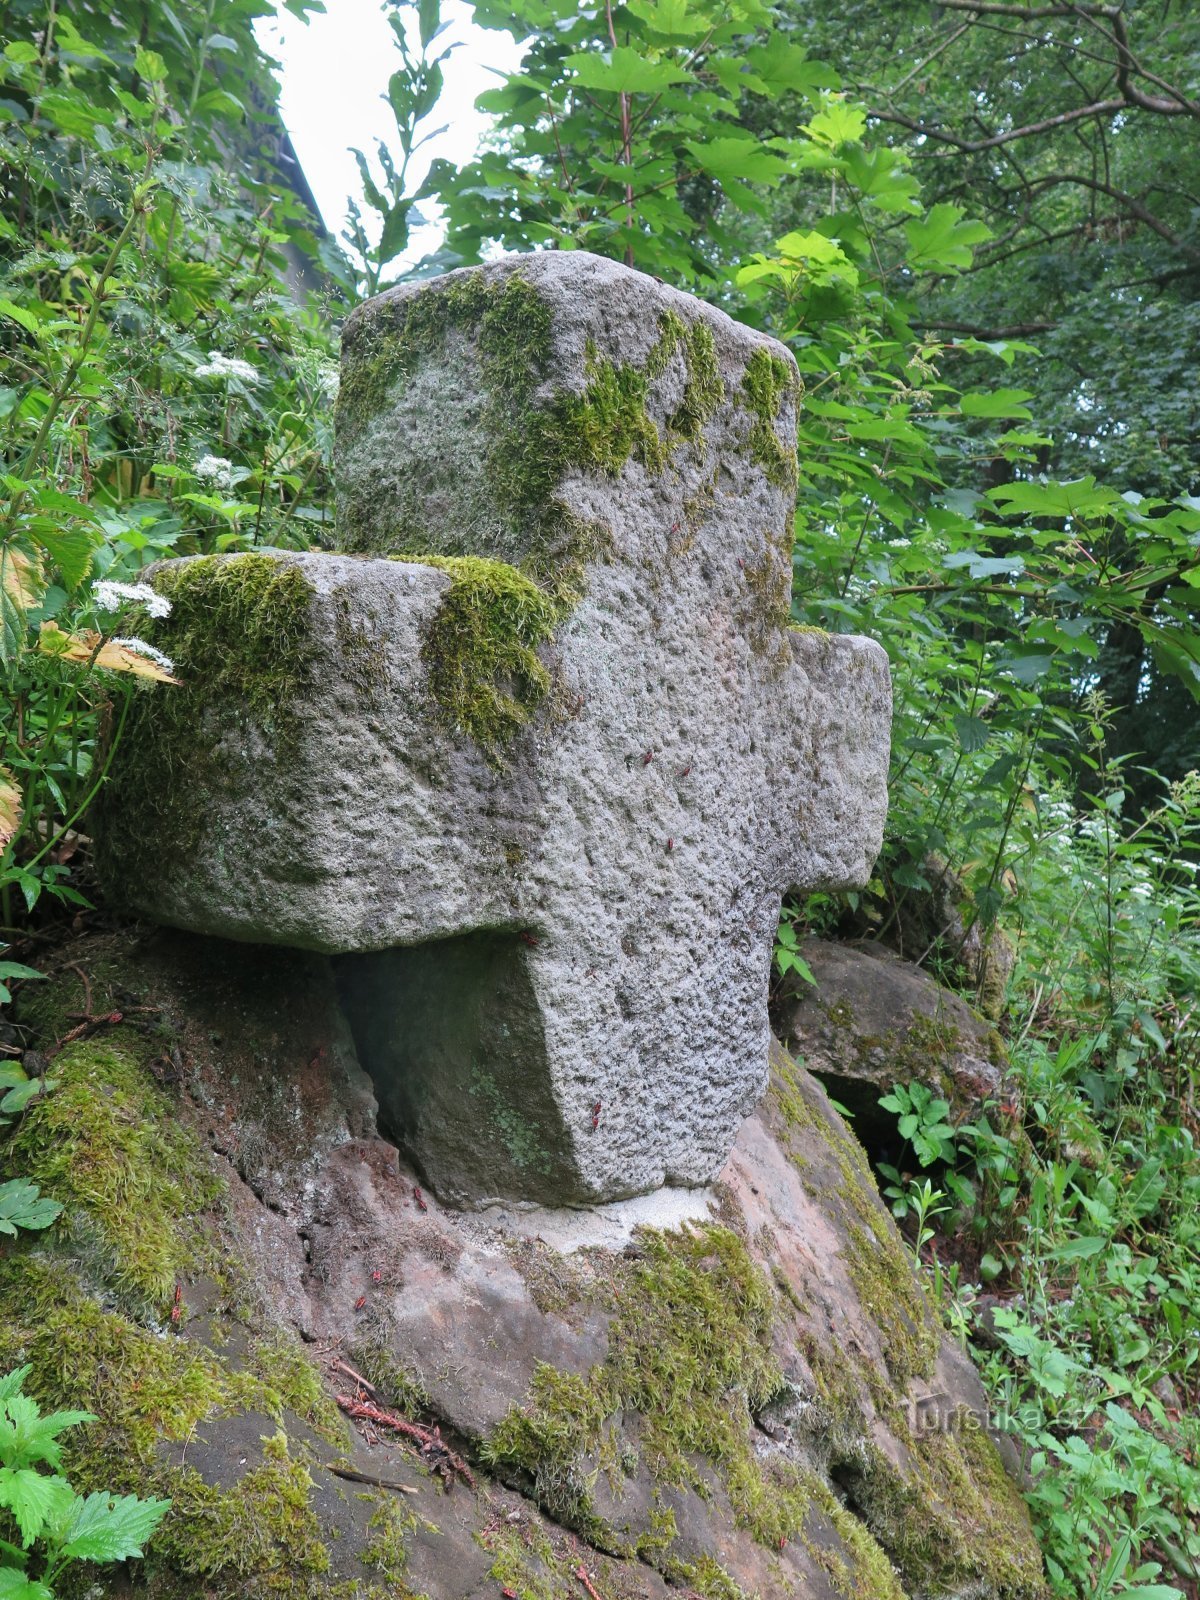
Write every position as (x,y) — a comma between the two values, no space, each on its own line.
(538,755)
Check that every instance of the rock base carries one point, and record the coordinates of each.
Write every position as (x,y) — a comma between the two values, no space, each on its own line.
(755,1403)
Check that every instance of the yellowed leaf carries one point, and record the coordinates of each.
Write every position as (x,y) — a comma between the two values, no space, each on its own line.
(21,576)
(10,806)
(86,646)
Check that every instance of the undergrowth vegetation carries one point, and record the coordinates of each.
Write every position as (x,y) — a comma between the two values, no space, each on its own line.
(168,305)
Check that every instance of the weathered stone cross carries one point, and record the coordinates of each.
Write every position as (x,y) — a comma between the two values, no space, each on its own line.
(539,758)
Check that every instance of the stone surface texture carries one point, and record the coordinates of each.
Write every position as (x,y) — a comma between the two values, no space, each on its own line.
(556,932)
(872,1021)
(759,1405)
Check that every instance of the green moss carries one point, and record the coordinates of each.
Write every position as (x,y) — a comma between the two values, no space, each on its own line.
(956,1518)
(397,1387)
(85,1304)
(877,1263)
(391,1526)
(526,1562)
(480,651)
(690,1351)
(106,1146)
(766,383)
(363,654)
(241,640)
(869,1575)
(706,1577)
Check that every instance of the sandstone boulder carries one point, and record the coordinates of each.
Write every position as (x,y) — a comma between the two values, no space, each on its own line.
(540,758)
(872,1021)
(736,1394)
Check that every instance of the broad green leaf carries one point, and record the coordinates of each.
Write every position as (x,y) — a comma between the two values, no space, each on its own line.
(739,160)
(32,1498)
(997,403)
(972,733)
(623,71)
(985,566)
(1078,1249)
(942,241)
(14,1585)
(1078,497)
(672,18)
(22,1205)
(882,176)
(148,64)
(19,314)
(837,123)
(780,64)
(70,549)
(105,1528)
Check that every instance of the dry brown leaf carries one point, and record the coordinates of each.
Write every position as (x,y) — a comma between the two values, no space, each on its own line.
(86,646)
(10,806)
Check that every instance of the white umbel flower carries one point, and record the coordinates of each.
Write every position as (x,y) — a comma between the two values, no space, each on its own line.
(108,595)
(219,366)
(151,652)
(216,470)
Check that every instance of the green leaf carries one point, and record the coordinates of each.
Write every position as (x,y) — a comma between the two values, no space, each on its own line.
(14,969)
(26,1437)
(837,123)
(105,1528)
(739,160)
(972,733)
(32,1498)
(984,566)
(22,52)
(11,1383)
(1080,1249)
(673,18)
(19,314)
(782,65)
(942,241)
(1078,497)
(997,403)
(22,1204)
(70,549)
(14,1585)
(148,64)
(623,71)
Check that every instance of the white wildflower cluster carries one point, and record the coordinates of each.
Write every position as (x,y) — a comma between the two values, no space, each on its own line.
(151,652)
(108,595)
(216,470)
(328,380)
(219,366)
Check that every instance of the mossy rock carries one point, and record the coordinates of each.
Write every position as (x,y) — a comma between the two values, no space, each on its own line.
(872,1020)
(723,1405)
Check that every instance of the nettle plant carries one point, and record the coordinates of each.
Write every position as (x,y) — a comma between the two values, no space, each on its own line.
(163,391)
(54,1525)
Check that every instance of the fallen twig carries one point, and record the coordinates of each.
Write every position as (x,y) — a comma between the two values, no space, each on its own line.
(432,1449)
(367,1477)
(348,1370)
